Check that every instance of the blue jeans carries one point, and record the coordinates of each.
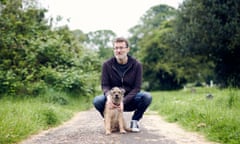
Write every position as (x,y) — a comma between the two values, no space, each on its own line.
(139,104)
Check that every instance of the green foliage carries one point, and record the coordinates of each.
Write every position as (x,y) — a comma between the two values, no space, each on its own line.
(101,41)
(7,81)
(150,21)
(34,55)
(209,29)
(167,65)
(162,69)
(50,117)
(196,43)
(75,81)
(154,36)
(18,28)
(217,118)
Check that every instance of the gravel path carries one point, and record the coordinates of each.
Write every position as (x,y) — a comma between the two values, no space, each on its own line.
(88,128)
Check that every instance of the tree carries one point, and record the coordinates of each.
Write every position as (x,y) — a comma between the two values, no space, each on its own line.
(167,63)
(80,36)
(162,66)
(152,40)
(20,25)
(35,56)
(210,30)
(101,41)
(151,20)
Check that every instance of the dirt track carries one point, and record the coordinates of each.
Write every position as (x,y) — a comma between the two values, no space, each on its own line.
(87,128)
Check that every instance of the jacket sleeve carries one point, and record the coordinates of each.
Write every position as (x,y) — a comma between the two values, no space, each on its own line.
(105,80)
(137,85)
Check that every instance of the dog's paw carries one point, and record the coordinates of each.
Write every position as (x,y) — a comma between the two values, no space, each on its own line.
(108,133)
(128,129)
(123,132)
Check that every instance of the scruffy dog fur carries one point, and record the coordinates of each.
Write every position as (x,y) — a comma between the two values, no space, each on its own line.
(114,120)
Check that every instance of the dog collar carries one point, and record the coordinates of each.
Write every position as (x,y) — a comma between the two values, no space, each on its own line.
(116,104)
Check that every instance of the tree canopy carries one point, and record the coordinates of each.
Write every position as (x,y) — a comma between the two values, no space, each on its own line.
(197,42)
(34,55)
(210,30)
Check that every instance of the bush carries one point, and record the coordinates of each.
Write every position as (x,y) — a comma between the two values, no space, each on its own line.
(50,117)
(9,82)
(72,80)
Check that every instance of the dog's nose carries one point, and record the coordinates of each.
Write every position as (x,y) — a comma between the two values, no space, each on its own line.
(116,96)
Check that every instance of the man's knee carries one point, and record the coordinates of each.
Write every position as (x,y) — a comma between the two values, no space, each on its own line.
(95,101)
(147,98)
(99,102)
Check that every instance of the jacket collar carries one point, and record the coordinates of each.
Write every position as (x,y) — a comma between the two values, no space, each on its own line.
(130,60)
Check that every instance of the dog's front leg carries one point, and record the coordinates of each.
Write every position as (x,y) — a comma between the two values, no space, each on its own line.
(107,122)
(121,123)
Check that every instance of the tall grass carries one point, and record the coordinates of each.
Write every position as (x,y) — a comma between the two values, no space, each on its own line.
(217,117)
(20,118)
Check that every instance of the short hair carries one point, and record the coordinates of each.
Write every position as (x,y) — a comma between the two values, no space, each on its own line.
(121,39)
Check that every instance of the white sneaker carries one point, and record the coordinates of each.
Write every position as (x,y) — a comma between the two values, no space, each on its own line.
(134,126)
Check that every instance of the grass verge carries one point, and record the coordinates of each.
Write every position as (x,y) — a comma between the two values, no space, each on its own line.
(217,116)
(21,117)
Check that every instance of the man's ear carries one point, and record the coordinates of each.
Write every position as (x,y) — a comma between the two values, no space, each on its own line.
(128,49)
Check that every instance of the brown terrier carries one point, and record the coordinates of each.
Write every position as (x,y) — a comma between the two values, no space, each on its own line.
(113,112)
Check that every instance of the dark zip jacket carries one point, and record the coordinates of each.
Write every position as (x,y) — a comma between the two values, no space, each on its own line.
(130,80)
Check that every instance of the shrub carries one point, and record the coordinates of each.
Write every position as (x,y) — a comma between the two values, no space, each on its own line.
(50,117)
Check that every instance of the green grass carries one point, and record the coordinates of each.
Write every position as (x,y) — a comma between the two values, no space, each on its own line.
(217,118)
(20,118)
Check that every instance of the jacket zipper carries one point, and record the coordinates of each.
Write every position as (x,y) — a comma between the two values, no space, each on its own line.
(114,68)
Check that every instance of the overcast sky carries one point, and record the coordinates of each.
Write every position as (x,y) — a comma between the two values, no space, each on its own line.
(91,15)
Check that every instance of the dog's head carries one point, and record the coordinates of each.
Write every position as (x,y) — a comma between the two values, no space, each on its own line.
(117,94)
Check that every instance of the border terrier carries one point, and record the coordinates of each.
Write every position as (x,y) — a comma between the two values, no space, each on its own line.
(113,112)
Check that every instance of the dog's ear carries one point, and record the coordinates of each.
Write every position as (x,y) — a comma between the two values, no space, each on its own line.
(123,91)
(109,92)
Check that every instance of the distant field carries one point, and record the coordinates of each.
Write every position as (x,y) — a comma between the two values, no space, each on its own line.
(213,112)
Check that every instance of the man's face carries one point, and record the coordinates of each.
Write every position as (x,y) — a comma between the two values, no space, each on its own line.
(120,50)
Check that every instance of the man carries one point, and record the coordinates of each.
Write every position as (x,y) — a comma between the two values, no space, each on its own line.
(124,71)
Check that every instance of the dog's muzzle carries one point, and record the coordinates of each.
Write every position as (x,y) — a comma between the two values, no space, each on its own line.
(117,96)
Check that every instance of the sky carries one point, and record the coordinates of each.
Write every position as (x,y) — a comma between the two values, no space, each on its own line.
(92,15)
